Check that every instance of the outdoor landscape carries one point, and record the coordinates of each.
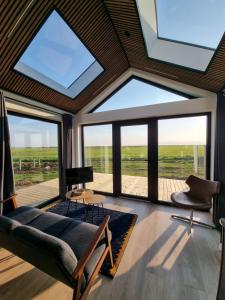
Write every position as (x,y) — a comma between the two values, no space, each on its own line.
(36,165)
(175,161)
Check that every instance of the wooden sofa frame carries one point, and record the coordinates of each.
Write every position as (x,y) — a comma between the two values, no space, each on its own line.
(79,270)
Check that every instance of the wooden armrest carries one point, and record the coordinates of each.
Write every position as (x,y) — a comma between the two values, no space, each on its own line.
(7,199)
(78,272)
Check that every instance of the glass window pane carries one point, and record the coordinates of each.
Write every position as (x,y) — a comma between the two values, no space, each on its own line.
(138,93)
(98,153)
(57,57)
(200,22)
(134,160)
(35,159)
(182,152)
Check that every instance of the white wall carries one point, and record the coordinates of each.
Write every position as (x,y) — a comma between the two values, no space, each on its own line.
(204,101)
(24,105)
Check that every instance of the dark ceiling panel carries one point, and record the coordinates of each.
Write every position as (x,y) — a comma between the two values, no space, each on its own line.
(110,29)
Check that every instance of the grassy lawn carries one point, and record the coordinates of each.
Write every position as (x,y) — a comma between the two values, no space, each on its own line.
(174,161)
(44,153)
(35,165)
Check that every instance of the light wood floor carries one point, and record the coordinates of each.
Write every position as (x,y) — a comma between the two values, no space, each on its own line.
(161,262)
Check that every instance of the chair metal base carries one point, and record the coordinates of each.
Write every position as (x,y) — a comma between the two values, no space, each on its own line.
(192,222)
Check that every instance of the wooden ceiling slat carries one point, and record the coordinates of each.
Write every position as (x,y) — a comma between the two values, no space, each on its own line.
(86,14)
(23,32)
(11,23)
(9,16)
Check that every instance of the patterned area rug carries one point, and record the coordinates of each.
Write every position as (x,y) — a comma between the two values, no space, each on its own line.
(121,225)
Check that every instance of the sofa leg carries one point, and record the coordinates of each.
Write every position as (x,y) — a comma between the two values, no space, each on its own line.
(76,291)
(76,295)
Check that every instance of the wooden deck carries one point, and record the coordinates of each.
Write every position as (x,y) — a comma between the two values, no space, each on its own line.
(168,186)
(131,185)
(137,185)
(38,193)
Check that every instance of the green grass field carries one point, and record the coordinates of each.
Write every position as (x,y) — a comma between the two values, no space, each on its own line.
(174,161)
(44,153)
(35,165)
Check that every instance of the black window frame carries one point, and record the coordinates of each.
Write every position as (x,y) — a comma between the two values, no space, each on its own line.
(152,123)
(60,167)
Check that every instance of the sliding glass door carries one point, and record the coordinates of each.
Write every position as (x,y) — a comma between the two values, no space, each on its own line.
(134,160)
(182,151)
(35,154)
(147,159)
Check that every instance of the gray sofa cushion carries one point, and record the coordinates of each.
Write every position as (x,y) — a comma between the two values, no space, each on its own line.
(79,235)
(76,234)
(52,223)
(25,214)
(46,252)
(6,224)
(6,227)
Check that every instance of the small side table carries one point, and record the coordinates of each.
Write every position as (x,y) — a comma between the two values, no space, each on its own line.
(87,197)
(91,201)
(78,195)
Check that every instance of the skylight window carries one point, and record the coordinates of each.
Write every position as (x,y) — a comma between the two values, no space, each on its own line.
(182,32)
(57,58)
(197,22)
(138,93)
